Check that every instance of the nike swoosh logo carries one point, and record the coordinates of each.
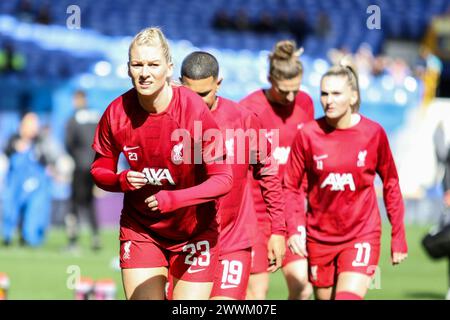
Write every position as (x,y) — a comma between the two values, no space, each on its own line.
(125,148)
(324,156)
(194,271)
(228,286)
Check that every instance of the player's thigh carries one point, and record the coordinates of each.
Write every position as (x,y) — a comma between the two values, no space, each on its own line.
(353,282)
(144,283)
(232,275)
(144,269)
(356,265)
(296,270)
(187,290)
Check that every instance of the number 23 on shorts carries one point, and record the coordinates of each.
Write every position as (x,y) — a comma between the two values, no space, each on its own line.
(198,254)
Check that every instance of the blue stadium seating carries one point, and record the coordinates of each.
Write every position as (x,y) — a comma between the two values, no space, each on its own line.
(51,53)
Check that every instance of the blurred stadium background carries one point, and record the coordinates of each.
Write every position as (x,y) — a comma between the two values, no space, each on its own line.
(43,59)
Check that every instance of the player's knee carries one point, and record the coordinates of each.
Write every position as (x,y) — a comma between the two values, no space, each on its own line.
(307,292)
(257,291)
(300,289)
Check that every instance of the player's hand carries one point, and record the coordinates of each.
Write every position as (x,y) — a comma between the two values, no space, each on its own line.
(398,257)
(136,179)
(152,203)
(297,245)
(277,250)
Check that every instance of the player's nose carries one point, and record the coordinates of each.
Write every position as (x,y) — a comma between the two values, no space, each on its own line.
(145,71)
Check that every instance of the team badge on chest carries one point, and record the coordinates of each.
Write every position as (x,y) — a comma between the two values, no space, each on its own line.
(362,158)
(177,153)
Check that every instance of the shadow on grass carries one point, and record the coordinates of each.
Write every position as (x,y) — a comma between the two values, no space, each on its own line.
(425,295)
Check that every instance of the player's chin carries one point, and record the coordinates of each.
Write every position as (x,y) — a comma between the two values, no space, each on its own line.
(145,91)
(331,114)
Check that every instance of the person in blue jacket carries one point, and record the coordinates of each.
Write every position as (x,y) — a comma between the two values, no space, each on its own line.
(27,195)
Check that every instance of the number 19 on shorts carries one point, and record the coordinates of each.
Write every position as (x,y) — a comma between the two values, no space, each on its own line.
(232,273)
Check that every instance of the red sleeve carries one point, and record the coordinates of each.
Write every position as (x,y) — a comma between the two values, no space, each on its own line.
(103,171)
(104,138)
(392,195)
(265,170)
(292,186)
(104,167)
(219,174)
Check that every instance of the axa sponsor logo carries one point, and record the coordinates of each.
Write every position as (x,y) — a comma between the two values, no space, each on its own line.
(281,154)
(156,176)
(338,181)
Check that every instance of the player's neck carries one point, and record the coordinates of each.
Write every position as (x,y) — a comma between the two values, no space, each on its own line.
(215,104)
(158,102)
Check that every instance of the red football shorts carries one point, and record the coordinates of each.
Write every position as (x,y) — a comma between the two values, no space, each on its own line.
(260,260)
(232,275)
(195,260)
(327,261)
(290,257)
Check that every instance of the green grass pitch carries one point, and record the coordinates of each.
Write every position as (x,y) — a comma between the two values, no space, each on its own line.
(42,273)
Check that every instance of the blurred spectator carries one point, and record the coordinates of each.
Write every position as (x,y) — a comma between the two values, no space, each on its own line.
(24,11)
(335,55)
(364,59)
(441,139)
(3,171)
(399,70)
(323,25)
(283,21)
(79,137)
(299,27)
(379,66)
(222,20)
(429,69)
(27,200)
(264,23)
(242,21)
(11,61)
(61,170)
(43,15)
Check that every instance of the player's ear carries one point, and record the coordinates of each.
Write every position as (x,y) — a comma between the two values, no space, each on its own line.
(129,69)
(219,82)
(353,98)
(170,70)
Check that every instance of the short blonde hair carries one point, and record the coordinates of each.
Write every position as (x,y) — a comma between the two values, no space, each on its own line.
(151,37)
